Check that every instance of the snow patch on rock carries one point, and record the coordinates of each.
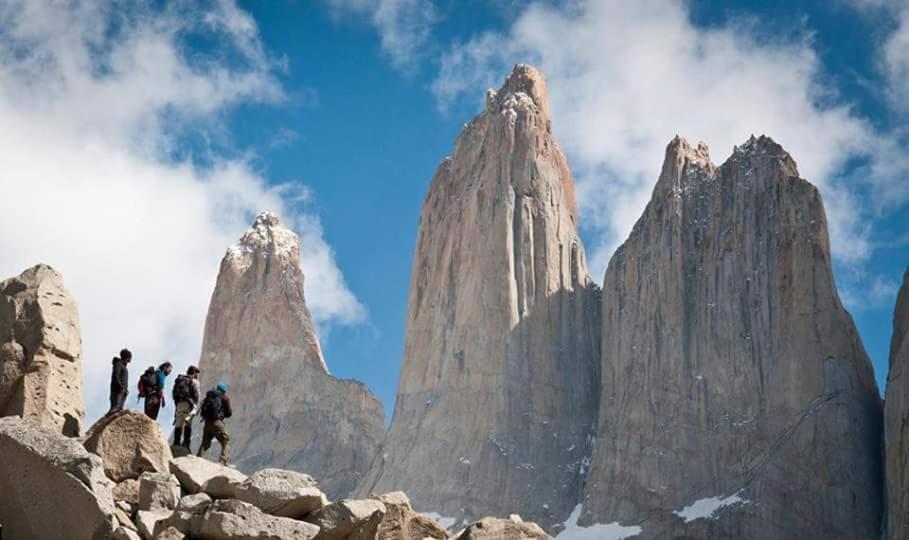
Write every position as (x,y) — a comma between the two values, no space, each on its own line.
(599,531)
(707,508)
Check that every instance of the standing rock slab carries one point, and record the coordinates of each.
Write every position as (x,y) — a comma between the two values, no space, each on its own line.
(197,474)
(896,421)
(289,411)
(503,529)
(349,520)
(146,521)
(237,520)
(500,378)
(50,486)
(158,491)
(41,351)
(402,523)
(130,444)
(282,493)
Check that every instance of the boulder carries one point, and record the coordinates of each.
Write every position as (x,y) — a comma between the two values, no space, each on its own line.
(186,523)
(237,520)
(127,490)
(158,491)
(129,443)
(124,518)
(349,520)
(282,493)
(40,351)
(170,533)
(402,523)
(195,503)
(50,486)
(147,520)
(125,533)
(512,528)
(197,474)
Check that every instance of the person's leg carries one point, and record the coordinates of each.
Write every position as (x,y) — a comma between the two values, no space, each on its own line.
(187,434)
(117,402)
(206,439)
(178,436)
(223,438)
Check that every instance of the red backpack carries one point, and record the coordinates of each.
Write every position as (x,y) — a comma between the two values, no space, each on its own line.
(148,383)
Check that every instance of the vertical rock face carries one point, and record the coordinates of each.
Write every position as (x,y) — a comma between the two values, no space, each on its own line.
(738,401)
(896,421)
(289,412)
(499,384)
(40,351)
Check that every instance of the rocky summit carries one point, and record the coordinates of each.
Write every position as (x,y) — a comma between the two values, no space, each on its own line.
(896,421)
(40,351)
(289,412)
(498,392)
(737,400)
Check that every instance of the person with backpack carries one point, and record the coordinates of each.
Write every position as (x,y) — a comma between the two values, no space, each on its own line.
(215,408)
(119,381)
(151,387)
(186,398)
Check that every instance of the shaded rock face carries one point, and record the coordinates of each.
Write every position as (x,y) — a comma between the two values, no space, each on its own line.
(732,376)
(896,421)
(40,351)
(289,412)
(499,385)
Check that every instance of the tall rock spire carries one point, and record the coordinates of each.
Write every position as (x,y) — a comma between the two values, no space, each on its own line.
(289,412)
(499,383)
(896,420)
(733,379)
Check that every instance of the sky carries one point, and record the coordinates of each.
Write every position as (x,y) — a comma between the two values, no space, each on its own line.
(142,137)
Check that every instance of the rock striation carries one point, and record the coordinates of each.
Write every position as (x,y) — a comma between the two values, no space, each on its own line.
(896,421)
(737,399)
(40,351)
(498,392)
(289,412)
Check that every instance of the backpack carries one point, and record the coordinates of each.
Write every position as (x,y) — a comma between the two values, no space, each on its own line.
(212,406)
(183,389)
(148,383)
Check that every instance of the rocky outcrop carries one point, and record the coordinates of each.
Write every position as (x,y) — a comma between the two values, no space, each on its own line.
(229,520)
(402,523)
(129,443)
(282,493)
(200,475)
(513,528)
(896,421)
(289,412)
(349,520)
(50,486)
(737,400)
(40,351)
(499,385)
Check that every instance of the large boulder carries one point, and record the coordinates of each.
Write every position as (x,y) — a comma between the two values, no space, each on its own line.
(129,443)
(237,520)
(147,520)
(195,503)
(349,520)
(512,528)
(282,493)
(128,491)
(50,486)
(197,474)
(158,491)
(402,523)
(40,351)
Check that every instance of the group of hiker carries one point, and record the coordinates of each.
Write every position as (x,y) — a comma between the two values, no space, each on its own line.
(186,393)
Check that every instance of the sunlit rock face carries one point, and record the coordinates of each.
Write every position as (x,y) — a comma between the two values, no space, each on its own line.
(737,399)
(500,379)
(289,412)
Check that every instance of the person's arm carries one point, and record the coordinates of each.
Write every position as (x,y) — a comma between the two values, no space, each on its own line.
(228,410)
(122,378)
(197,391)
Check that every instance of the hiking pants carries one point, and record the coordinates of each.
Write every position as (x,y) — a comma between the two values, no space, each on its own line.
(117,402)
(215,430)
(183,430)
(152,406)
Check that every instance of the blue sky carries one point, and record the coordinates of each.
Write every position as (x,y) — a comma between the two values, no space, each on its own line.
(336,112)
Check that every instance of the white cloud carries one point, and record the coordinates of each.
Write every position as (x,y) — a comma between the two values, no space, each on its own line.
(625,77)
(93,98)
(404,26)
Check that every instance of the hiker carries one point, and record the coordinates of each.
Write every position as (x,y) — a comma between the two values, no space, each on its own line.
(215,408)
(151,387)
(119,381)
(186,398)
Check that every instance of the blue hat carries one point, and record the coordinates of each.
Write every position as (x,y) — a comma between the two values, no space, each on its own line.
(222,388)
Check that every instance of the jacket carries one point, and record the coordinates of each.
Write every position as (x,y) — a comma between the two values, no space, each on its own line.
(119,377)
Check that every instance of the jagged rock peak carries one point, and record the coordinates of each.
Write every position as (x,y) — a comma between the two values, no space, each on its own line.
(525,87)
(896,410)
(267,235)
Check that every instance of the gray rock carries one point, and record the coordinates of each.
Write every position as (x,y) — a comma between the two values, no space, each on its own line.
(500,378)
(282,493)
(170,533)
(733,378)
(195,503)
(127,491)
(41,351)
(896,421)
(237,520)
(186,523)
(307,419)
(158,491)
(197,474)
(402,523)
(129,443)
(513,528)
(125,533)
(147,520)
(51,486)
(349,520)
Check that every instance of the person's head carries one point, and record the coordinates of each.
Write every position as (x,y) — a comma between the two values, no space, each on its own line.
(193,371)
(125,355)
(221,388)
(166,367)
